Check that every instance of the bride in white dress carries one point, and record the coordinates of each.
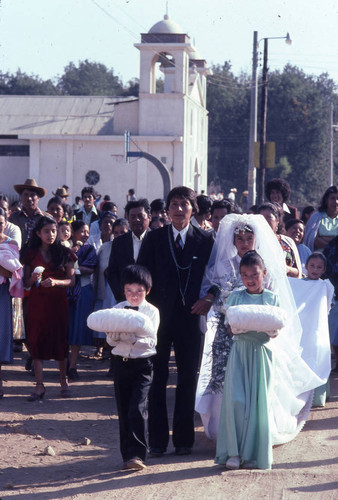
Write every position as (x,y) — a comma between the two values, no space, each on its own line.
(294,380)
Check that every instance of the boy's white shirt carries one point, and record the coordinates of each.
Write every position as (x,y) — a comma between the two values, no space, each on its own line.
(128,345)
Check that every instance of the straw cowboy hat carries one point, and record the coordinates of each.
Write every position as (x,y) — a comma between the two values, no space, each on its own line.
(62,192)
(31,185)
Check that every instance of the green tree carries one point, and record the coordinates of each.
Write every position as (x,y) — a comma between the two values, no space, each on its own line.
(89,78)
(132,88)
(23,84)
(283,168)
(298,121)
(228,101)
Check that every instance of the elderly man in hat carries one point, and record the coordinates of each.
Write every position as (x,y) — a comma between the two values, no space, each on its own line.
(26,219)
(63,193)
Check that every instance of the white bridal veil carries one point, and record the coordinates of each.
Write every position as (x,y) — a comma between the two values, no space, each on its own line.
(294,380)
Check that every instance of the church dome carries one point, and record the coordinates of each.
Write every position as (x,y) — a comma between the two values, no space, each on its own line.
(195,55)
(166,26)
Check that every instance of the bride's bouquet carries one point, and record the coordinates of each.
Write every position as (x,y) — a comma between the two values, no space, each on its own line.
(233,283)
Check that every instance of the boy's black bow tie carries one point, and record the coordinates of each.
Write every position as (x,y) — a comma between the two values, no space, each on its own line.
(131,307)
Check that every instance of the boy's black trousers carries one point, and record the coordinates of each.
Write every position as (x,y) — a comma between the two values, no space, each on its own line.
(132,381)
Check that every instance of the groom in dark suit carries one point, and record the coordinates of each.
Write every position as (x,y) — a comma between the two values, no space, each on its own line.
(176,256)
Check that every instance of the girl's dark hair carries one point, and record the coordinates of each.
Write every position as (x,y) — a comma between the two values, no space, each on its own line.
(307,211)
(204,204)
(136,274)
(292,222)
(252,258)
(231,206)
(77,224)
(3,197)
(55,199)
(183,192)
(316,255)
(161,219)
(253,209)
(323,203)
(68,208)
(106,215)
(121,222)
(157,205)
(64,223)
(3,213)
(58,252)
(277,211)
(279,185)
(108,206)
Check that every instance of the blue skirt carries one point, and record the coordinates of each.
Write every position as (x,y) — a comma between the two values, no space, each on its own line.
(107,303)
(78,331)
(333,324)
(6,325)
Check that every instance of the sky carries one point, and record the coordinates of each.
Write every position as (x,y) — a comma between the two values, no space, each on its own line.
(42,36)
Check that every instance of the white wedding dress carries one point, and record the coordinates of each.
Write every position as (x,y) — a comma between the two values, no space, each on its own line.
(296,376)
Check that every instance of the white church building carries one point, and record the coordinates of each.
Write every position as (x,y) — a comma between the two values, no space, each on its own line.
(81,140)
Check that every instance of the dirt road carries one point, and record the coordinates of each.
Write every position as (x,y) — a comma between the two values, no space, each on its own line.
(305,468)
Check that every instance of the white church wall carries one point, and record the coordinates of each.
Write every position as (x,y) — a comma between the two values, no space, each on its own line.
(195,145)
(104,157)
(164,152)
(52,167)
(13,170)
(161,114)
(116,176)
(126,117)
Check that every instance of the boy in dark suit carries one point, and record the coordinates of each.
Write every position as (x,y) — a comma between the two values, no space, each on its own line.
(176,256)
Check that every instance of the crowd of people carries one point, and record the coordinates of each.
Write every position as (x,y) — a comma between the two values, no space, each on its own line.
(246,301)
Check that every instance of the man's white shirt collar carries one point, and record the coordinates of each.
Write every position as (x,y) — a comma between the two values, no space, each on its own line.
(137,242)
(93,209)
(140,238)
(286,208)
(182,233)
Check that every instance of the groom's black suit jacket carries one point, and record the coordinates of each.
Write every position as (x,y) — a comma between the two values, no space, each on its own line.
(156,255)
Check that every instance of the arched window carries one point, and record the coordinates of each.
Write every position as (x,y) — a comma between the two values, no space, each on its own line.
(163,74)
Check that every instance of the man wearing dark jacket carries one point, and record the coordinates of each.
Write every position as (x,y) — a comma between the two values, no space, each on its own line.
(176,256)
(126,248)
(88,212)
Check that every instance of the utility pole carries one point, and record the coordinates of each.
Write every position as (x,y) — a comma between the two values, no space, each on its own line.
(253,124)
(264,102)
(330,176)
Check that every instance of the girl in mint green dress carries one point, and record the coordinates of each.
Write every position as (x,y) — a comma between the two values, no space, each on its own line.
(244,436)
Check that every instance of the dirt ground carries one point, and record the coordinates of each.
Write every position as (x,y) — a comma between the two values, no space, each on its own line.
(305,468)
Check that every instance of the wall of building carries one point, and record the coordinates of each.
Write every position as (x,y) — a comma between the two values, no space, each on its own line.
(56,165)
(161,114)
(13,169)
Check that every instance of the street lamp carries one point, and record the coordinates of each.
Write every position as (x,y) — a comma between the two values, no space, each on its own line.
(253,117)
